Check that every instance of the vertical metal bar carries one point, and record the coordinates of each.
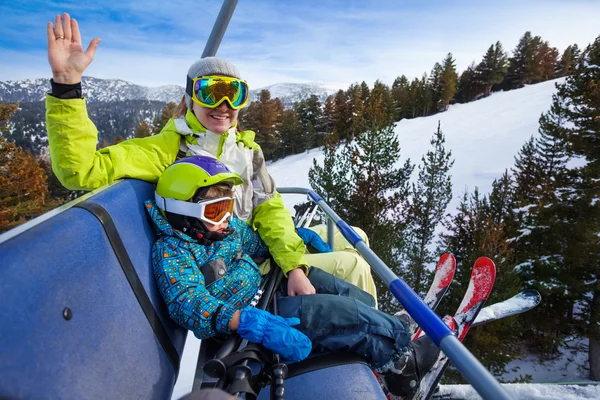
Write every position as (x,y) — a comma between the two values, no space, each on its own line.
(219,28)
(330,232)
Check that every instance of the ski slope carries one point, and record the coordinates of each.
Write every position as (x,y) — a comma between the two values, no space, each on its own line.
(484,137)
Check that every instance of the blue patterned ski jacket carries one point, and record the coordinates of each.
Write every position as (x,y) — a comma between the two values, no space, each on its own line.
(178,259)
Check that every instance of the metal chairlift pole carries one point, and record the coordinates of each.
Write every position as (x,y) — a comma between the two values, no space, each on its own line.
(219,28)
(473,371)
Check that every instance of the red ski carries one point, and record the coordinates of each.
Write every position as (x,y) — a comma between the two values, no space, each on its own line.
(479,289)
(444,273)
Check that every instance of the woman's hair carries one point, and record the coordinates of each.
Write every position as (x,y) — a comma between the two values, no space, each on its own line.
(181,108)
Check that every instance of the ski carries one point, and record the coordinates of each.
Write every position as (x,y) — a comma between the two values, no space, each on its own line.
(519,303)
(444,273)
(479,289)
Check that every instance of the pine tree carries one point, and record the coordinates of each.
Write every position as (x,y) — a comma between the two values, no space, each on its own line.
(342,119)
(166,114)
(291,133)
(379,108)
(310,116)
(448,83)
(23,191)
(330,179)
(264,116)
(365,91)
(479,228)
(545,63)
(568,61)
(362,184)
(527,174)
(430,196)
(469,85)
(580,95)
(533,61)
(401,97)
(142,130)
(463,238)
(415,107)
(520,64)
(434,84)
(356,110)
(493,67)
(6,112)
(328,113)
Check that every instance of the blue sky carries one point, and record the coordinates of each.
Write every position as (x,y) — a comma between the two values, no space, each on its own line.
(153,42)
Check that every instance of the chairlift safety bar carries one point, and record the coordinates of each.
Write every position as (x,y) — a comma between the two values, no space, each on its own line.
(474,372)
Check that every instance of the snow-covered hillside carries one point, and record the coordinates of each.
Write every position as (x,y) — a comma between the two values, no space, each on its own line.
(483,136)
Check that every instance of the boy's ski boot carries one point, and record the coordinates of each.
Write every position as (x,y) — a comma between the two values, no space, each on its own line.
(403,380)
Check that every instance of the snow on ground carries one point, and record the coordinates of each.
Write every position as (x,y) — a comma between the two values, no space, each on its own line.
(570,366)
(484,137)
(525,392)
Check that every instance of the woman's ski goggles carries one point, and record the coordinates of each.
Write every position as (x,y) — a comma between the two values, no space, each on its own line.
(213,211)
(212,91)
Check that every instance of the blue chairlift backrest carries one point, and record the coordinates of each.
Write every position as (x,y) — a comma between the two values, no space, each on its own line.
(71,325)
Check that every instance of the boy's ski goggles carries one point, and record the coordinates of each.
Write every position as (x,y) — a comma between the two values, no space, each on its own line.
(212,91)
(213,211)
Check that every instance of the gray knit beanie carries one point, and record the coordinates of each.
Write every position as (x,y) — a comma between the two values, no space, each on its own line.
(205,67)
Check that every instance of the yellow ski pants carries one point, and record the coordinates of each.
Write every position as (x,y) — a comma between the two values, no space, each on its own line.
(345,262)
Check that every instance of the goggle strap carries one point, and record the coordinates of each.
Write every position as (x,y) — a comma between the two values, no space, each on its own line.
(189,87)
(177,206)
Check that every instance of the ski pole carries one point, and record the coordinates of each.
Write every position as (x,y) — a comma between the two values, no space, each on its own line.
(473,371)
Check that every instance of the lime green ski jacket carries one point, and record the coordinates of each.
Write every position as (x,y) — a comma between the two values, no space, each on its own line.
(72,138)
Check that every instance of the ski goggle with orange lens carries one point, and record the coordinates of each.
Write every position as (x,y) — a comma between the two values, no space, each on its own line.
(213,211)
(212,91)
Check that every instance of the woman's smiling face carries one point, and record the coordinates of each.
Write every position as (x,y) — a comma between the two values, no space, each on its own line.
(217,120)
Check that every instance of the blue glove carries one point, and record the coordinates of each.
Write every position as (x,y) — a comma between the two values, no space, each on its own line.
(275,333)
(310,237)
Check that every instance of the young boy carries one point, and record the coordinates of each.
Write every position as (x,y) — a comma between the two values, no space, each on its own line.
(205,267)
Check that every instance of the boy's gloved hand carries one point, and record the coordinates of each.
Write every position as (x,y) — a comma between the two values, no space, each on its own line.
(275,333)
(310,237)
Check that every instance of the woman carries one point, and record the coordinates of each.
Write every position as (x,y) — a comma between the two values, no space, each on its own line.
(206,124)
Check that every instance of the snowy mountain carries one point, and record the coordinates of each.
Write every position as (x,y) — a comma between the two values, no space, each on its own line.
(109,90)
(115,106)
(289,93)
(95,90)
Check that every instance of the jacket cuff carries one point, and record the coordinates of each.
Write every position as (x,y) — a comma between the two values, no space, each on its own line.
(304,268)
(225,315)
(65,91)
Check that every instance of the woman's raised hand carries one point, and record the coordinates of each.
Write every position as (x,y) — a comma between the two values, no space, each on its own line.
(65,51)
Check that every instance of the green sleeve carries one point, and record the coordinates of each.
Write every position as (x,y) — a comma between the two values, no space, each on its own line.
(275,226)
(72,139)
